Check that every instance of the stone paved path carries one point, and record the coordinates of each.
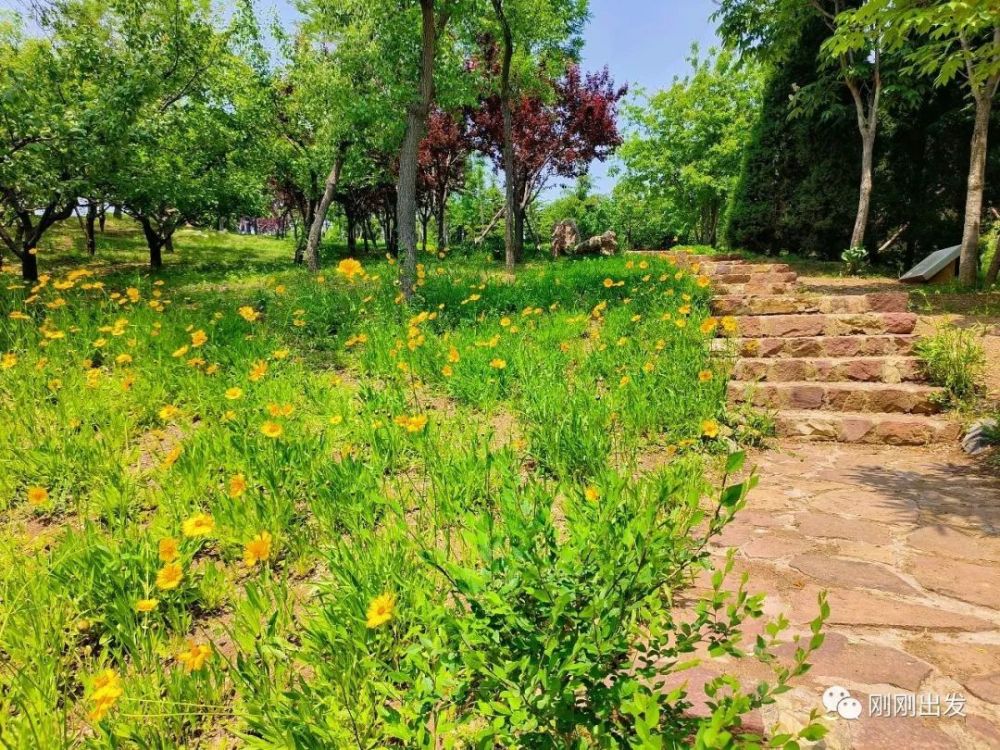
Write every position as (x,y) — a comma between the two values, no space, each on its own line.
(889,517)
(906,540)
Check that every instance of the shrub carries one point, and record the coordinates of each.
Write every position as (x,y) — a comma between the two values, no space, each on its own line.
(954,358)
(855,259)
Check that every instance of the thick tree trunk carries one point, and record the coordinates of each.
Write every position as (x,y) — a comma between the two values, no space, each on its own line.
(29,265)
(865,194)
(154,242)
(168,242)
(88,228)
(316,231)
(969,263)
(416,123)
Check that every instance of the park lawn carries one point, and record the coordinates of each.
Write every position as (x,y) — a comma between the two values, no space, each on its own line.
(209,476)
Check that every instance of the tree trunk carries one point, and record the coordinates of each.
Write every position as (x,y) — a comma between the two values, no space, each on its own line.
(29,265)
(425,218)
(969,263)
(865,194)
(352,233)
(416,123)
(117,213)
(154,242)
(512,246)
(168,242)
(316,231)
(89,228)
(102,217)
(994,270)
(442,228)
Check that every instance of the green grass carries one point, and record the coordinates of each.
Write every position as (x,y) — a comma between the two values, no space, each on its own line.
(369,447)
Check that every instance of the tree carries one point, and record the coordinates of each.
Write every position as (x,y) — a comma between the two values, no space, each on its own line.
(683,153)
(193,153)
(443,157)
(945,41)
(534,36)
(50,124)
(770,30)
(555,133)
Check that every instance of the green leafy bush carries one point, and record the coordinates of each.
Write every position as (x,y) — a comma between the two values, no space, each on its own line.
(855,259)
(954,358)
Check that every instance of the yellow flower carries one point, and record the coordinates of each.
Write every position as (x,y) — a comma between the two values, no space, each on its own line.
(106,690)
(124,359)
(198,338)
(349,268)
(258,370)
(200,524)
(592,494)
(169,577)
(272,429)
(237,485)
(624,381)
(248,314)
(195,657)
(498,364)
(234,393)
(703,281)
(168,412)
(447,371)
(505,322)
(710,428)
(380,610)
(453,356)
(412,424)
(257,549)
(705,375)
(729,324)
(37,495)
(608,283)
(146,605)
(178,353)
(8,361)
(709,325)
(336,419)
(167,549)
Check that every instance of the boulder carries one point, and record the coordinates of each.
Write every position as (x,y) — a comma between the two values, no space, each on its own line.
(565,237)
(602,244)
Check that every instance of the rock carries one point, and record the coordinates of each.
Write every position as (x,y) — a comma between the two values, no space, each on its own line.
(841,573)
(602,244)
(978,439)
(565,237)
(966,581)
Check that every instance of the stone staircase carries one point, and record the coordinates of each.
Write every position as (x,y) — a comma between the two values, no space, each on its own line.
(834,367)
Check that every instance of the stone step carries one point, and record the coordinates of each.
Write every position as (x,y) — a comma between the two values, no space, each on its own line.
(830,369)
(727,267)
(815,324)
(859,427)
(752,289)
(689,258)
(790,304)
(898,398)
(743,276)
(820,346)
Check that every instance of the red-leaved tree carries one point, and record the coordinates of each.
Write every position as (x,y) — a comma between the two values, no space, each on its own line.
(443,155)
(559,137)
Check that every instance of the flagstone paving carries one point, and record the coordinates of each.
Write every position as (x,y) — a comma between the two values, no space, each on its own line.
(906,541)
(868,497)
